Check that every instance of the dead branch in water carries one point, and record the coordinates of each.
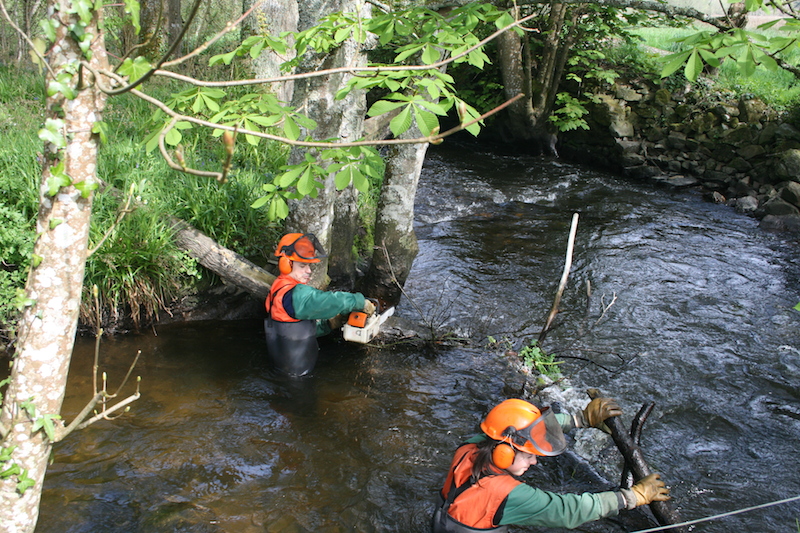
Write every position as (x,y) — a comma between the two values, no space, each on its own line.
(664,512)
(564,276)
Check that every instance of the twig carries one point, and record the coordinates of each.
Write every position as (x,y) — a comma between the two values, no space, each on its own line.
(350,69)
(124,211)
(605,307)
(27,39)
(104,415)
(564,276)
(200,49)
(394,279)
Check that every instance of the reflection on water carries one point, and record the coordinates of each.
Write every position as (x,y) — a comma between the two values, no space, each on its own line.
(693,298)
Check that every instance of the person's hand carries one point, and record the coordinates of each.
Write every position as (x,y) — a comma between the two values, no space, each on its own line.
(598,410)
(337,321)
(369,307)
(650,489)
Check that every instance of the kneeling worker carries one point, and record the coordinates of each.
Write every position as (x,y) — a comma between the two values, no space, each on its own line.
(298,313)
(482,491)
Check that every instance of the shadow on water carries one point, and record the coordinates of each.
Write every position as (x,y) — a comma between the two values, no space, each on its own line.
(693,298)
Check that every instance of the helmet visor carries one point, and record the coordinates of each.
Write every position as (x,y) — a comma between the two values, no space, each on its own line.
(306,247)
(543,437)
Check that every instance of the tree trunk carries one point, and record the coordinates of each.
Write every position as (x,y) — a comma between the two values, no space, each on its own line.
(333,215)
(516,78)
(152,17)
(272,17)
(174,25)
(395,240)
(47,327)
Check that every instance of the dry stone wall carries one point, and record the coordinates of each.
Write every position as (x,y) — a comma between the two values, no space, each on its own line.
(739,152)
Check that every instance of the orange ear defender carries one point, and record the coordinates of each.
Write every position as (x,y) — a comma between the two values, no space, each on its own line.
(503,455)
(285,265)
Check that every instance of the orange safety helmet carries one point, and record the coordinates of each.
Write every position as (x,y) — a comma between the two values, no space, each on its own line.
(520,425)
(302,247)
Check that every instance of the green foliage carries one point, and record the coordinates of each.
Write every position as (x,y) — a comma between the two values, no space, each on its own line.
(137,268)
(749,50)
(569,113)
(534,358)
(20,111)
(778,88)
(418,97)
(9,469)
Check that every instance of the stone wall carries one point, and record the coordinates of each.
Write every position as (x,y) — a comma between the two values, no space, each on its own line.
(740,153)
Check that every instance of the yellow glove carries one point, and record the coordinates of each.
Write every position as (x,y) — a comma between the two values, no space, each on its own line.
(369,307)
(337,321)
(598,410)
(650,489)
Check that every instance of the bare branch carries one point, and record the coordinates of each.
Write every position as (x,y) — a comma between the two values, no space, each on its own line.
(168,53)
(104,415)
(645,5)
(352,70)
(124,211)
(564,276)
(61,435)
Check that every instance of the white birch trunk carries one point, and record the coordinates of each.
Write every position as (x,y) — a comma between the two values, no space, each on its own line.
(47,328)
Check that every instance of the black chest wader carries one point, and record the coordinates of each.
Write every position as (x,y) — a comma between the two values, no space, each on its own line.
(442,522)
(292,346)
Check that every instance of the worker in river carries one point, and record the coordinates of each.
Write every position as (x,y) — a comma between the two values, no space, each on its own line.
(297,313)
(483,491)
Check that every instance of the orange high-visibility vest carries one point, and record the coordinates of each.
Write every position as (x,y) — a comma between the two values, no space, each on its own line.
(477,505)
(274,302)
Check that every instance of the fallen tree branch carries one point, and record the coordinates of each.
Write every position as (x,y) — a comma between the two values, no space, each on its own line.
(664,512)
(636,436)
(226,263)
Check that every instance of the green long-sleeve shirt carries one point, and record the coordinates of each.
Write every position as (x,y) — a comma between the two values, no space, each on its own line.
(530,506)
(313,304)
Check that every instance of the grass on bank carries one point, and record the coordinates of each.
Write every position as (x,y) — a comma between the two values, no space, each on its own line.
(778,89)
(137,268)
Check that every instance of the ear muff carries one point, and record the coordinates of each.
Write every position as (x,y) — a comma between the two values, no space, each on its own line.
(503,455)
(285,265)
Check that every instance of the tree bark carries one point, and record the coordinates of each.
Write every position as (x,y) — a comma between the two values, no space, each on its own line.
(333,215)
(47,327)
(153,19)
(174,25)
(272,17)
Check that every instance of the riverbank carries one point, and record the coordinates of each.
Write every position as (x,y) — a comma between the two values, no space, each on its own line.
(737,152)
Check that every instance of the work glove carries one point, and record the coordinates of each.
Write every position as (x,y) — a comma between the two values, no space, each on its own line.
(337,321)
(369,307)
(597,411)
(649,489)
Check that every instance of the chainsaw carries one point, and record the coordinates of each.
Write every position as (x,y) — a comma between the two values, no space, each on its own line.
(362,328)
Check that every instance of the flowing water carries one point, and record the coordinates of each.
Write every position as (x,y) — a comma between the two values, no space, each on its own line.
(670,299)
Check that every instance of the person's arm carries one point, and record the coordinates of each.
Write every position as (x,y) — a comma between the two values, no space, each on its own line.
(313,304)
(529,506)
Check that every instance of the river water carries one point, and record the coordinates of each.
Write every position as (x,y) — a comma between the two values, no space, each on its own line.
(670,299)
